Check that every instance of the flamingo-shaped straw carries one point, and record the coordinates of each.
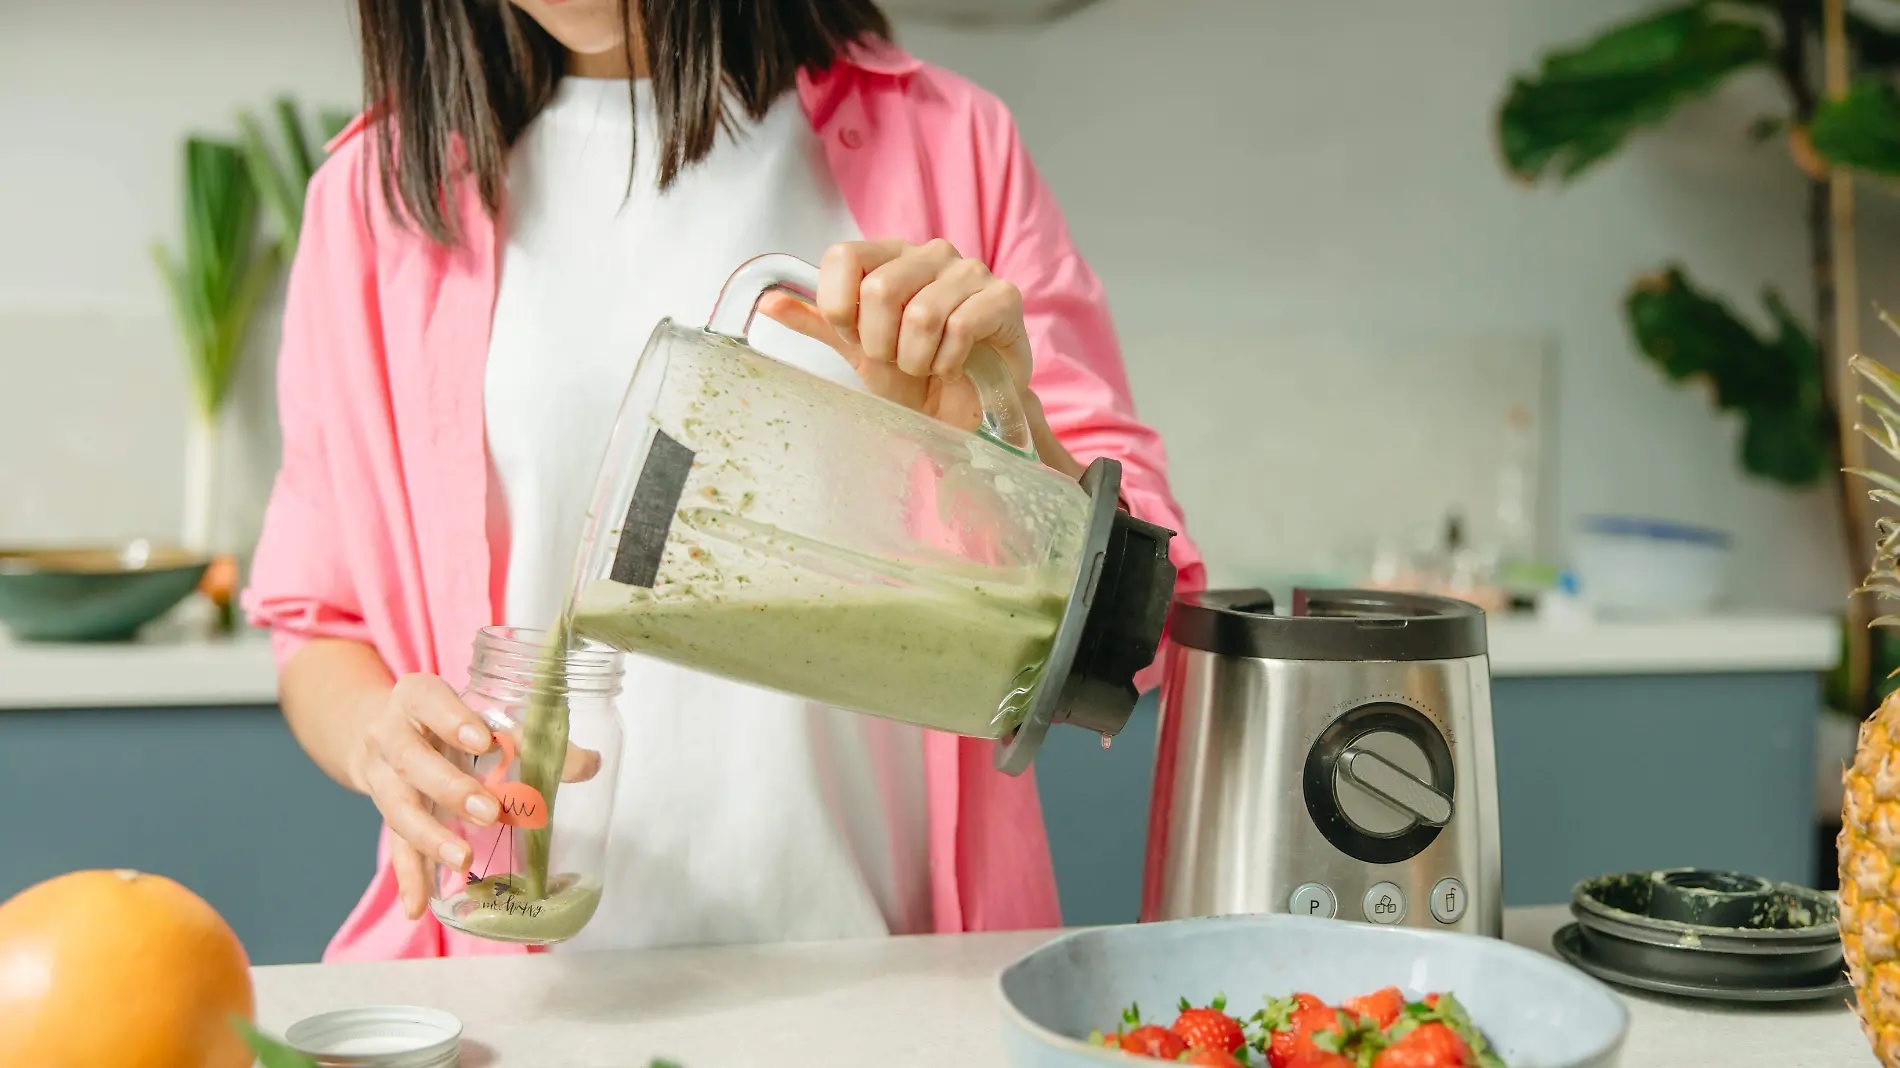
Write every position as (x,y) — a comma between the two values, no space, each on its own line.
(521,805)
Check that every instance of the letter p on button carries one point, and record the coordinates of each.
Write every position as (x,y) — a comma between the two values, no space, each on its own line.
(1313,899)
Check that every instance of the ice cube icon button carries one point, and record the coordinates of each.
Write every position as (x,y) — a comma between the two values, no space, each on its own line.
(1385,903)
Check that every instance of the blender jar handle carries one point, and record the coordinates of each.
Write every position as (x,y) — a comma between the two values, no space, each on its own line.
(1003,420)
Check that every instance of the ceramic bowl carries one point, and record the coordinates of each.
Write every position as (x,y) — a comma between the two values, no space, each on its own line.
(102,594)
(1537,1012)
(1650,568)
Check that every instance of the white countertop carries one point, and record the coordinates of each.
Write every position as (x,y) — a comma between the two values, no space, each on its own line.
(1527,646)
(174,671)
(918,1002)
(168,670)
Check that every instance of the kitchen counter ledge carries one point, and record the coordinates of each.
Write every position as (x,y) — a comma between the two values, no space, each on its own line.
(170,670)
(924,1002)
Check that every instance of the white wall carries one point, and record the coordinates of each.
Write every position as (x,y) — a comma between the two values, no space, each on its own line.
(1313,163)
(94,97)
(1284,164)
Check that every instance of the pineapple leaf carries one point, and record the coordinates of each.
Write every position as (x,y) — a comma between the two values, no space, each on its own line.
(1886,437)
(1876,372)
(1887,621)
(1879,478)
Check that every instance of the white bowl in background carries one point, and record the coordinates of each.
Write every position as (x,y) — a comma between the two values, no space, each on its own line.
(1635,566)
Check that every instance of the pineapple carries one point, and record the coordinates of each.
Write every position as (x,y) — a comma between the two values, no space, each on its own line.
(1869,844)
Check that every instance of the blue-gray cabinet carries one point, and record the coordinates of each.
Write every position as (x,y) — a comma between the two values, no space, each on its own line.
(1595,774)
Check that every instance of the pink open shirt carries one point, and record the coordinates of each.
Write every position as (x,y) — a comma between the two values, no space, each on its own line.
(376,527)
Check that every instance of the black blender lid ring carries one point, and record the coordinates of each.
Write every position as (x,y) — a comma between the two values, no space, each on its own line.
(1015,751)
(1617,937)
(1598,903)
(1329,624)
(1569,945)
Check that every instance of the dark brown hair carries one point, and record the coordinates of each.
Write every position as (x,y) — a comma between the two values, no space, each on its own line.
(481,70)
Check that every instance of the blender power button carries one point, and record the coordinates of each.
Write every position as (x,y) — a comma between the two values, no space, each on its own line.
(1313,899)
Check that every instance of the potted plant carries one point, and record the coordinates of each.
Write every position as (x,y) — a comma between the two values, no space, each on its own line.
(217,278)
(1838,71)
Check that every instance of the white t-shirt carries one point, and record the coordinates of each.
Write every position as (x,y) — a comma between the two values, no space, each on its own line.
(743,815)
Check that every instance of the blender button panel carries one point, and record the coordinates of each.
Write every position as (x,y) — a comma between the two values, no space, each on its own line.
(1448,901)
(1385,903)
(1313,899)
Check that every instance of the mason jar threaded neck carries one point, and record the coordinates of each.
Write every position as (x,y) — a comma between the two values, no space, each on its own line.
(512,662)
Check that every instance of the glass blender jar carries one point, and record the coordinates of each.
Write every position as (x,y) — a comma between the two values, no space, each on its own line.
(535,874)
(758,522)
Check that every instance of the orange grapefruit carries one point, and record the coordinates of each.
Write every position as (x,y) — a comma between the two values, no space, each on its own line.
(119,969)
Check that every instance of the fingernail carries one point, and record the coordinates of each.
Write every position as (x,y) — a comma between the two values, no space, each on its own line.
(483,808)
(454,854)
(475,738)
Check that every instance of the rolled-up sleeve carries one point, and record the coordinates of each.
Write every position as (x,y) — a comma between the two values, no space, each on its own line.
(1078,376)
(301,585)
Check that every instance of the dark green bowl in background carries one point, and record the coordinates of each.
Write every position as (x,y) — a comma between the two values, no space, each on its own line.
(93,595)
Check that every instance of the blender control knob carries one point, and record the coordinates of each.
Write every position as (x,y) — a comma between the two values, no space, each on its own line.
(1396,786)
(1379,782)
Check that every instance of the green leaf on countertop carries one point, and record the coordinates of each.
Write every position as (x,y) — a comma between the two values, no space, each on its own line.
(1585,102)
(1860,130)
(1773,382)
(270,1052)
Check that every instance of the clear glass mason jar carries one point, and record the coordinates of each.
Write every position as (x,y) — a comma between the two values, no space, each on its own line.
(535,875)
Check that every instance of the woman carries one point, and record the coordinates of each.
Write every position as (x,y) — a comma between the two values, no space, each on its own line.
(478,269)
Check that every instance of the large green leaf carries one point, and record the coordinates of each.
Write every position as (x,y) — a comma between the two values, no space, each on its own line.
(282,175)
(1862,130)
(1773,382)
(219,272)
(1585,102)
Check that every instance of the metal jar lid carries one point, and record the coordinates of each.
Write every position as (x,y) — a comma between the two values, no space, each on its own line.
(1329,625)
(379,1036)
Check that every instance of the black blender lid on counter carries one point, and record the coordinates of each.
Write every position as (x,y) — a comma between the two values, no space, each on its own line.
(1110,631)
(1330,624)
(1715,935)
